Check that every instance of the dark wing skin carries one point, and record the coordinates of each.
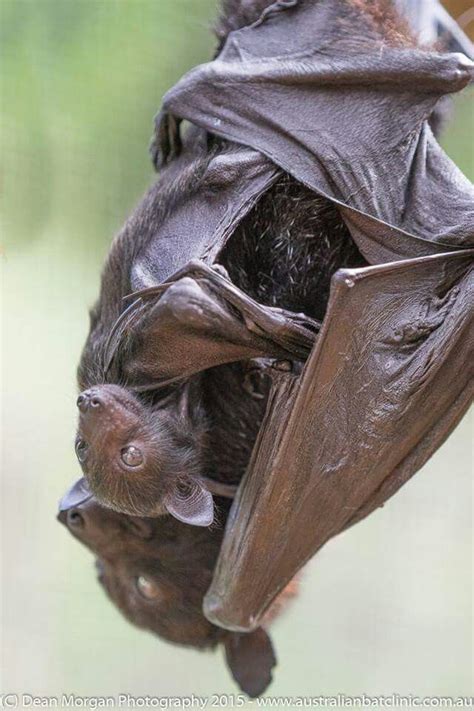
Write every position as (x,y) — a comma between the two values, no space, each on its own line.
(388,379)
(212,193)
(334,111)
(199,319)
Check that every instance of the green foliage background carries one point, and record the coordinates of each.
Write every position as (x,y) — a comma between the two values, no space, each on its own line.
(386,607)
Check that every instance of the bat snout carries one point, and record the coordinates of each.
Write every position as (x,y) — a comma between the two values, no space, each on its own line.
(75,519)
(89,400)
(85,521)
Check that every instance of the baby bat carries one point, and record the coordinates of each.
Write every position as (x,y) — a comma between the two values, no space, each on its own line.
(156,571)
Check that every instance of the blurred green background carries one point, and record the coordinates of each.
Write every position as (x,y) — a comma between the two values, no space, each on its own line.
(386,607)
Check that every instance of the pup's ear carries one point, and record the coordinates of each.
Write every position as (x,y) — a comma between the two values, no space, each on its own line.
(250,658)
(75,495)
(191,503)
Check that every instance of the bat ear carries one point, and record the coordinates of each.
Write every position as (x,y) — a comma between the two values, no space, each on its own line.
(250,658)
(191,503)
(77,494)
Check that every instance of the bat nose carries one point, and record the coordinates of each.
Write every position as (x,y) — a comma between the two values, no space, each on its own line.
(87,400)
(75,519)
(81,402)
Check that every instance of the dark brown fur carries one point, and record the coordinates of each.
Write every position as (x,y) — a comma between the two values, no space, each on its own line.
(173,563)
(179,557)
(283,254)
(169,440)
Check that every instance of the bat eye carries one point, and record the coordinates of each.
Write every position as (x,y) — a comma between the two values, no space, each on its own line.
(81,450)
(131,456)
(147,588)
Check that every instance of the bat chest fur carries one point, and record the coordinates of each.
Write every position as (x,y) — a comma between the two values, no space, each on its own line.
(283,254)
(286,250)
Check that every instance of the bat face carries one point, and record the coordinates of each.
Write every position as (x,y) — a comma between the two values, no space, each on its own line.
(156,571)
(136,460)
(113,438)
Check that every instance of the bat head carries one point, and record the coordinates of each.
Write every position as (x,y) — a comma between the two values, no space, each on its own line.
(138,460)
(156,572)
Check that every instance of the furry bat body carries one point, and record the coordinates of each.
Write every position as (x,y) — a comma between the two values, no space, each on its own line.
(274,203)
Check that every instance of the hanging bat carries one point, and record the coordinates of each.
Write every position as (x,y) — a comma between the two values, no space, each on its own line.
(156,571)
(291,300)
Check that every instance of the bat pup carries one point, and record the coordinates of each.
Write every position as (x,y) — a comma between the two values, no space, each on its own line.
(122,446)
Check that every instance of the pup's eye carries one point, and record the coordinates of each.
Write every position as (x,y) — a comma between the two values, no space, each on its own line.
(131,456)
(147,587)
(81,450)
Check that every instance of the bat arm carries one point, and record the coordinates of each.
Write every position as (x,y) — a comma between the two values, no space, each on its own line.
(199,319)
(294,331)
